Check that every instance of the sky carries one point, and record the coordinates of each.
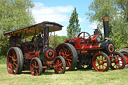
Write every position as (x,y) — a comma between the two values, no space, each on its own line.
(60,11)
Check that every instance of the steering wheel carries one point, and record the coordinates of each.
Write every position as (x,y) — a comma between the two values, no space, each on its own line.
(84,35)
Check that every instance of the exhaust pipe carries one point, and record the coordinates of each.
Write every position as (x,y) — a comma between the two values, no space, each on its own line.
(46,34)
(106,27)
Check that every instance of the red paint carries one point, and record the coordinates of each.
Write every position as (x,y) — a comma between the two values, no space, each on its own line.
(48,52)
(126,57)
(116,61)
(100,62)
(81,43)
(111,45)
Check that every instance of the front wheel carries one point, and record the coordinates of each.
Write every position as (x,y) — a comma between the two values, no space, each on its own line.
(59,65)
(101,62)
(36,66)
(118,61)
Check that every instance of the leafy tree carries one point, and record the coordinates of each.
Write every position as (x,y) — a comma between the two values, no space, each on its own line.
(73,28)
(117,10)
(14,14)
(58,39)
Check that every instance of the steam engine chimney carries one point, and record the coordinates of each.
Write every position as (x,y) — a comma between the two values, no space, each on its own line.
(46,34)
(106,28)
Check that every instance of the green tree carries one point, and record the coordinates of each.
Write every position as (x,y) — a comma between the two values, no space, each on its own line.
(118,23)
(58,39)
(73,28)
(14,14)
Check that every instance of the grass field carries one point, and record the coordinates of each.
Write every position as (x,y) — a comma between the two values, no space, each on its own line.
(77,77)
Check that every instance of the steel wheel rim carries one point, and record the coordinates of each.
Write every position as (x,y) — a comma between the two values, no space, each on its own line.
(117,61)
(58,66)
(12,62)
(126,57)
(66,53)
(100,62)
(34,67)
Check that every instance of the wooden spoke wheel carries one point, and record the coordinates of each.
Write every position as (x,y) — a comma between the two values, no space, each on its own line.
(101,62)
(118,61)
(68,52)
(59,65)
(36,66)
(14,60)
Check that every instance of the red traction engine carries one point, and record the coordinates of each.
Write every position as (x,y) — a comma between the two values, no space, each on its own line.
(29,49)
(85,51)
(124,51)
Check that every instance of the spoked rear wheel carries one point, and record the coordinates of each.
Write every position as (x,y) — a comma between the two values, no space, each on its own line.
(68,52)
(59,65)
(14,60)
(117,61)
(36,66)
(101,62)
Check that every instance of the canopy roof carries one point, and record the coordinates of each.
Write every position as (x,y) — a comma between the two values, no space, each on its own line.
(35,29)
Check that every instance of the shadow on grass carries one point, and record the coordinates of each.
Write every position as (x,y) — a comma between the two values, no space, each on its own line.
(48,73)
(28,72)
(84,69)
(43,73)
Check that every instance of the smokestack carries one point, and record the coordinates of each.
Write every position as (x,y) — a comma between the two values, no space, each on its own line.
(106,28)
(46,35)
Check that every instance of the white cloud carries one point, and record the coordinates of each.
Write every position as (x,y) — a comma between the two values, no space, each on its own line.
(92,25)
(82,19)
(53,14)
(63,32)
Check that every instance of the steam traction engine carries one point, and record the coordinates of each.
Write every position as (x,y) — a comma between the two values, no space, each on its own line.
(85,51)
(124,51)
(35,55)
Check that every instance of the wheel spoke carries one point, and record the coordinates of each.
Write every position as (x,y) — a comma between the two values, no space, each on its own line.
(97,66)
(36,72)
(60,69)
(14,60)
(67,64)
(15,64)
(11,57)
(69,60)
(105,61)
(13,67)
(35,63)
(104,65)
(37,67)
(61,53)
(58,61)
(32,64)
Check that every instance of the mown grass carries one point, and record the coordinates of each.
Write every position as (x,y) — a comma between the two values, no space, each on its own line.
(2,60)
(77,77)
